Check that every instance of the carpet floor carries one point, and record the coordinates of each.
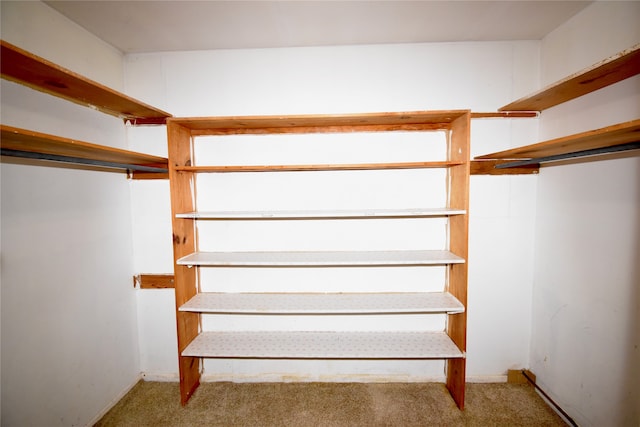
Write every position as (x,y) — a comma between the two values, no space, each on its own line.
(330,404)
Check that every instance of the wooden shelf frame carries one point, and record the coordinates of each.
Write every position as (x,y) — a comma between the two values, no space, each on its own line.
(607,72)
(619,137)
(17,142)
(30,70)
(319,123)
(183,170)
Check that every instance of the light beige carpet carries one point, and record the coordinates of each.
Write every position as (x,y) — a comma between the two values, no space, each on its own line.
(330,404)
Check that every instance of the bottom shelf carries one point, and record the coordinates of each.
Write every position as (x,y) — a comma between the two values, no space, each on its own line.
(323,345)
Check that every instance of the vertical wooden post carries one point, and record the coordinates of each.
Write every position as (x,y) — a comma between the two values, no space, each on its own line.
(184,243)
(458,244)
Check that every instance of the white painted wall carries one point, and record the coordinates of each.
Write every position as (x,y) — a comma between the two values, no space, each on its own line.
(69,335)
(586,300)
(29,24)
(69,340)
(480,76)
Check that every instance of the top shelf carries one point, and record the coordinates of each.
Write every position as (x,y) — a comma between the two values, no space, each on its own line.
(612,70)
(30,70)
(321,123)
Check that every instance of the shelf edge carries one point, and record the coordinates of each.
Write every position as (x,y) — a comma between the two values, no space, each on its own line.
(604,73)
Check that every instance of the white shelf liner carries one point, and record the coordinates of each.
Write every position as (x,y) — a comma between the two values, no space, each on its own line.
(323,345)
(323,303)
(323,214)
(321,258)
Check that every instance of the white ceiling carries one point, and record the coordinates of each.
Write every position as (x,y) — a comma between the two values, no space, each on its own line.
(149,26)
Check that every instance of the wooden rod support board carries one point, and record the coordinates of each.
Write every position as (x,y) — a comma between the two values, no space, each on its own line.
(492,167)
(619,134)
(16,141)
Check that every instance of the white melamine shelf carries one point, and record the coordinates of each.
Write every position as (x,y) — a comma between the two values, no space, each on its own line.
(323,303)
(323,345)
(321,258)
(324,214)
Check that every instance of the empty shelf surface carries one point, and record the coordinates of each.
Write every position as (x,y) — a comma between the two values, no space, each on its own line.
(323,345)
(321,214)
(324,303)
(321,258)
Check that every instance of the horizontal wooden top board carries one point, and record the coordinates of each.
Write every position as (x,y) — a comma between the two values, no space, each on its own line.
(368,122)
(35,142)
(30,70)
(612,70)
(609,136)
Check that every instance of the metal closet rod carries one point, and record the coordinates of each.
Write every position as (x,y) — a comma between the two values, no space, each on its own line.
(584,153)
(80,160)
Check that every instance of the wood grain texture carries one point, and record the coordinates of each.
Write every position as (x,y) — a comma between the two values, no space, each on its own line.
(37,73)
(609,136)
(459,177)
(36,142)
(612,70)
(321,123)
(488,167)
(456,124)
(184,243)
(459,226)
(504,115)
(155,281)
(456,373)
(148,175)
